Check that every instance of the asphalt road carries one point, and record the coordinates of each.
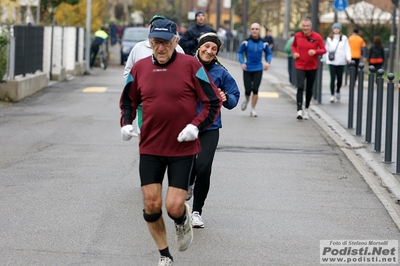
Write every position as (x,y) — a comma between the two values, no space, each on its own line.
(70,192)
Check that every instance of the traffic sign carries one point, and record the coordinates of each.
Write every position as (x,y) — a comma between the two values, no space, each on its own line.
(340,5)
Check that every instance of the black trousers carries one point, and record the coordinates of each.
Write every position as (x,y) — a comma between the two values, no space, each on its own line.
(202,168)
(336,73)
(307,78)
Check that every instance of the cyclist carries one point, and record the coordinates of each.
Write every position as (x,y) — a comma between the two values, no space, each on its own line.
(100,37)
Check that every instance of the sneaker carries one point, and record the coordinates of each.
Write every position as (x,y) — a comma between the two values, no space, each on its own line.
(299,114)
(244,104)
(253,113)
(305,116)
(338,95)
(197,222)
(184,232)
(189,194)
(332,99)
(165,261)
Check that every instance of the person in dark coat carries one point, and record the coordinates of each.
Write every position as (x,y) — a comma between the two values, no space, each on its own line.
(376,56)
(189,39)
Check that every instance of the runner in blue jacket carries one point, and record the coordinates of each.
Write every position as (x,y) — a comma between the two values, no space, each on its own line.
(208,47)
(250,57)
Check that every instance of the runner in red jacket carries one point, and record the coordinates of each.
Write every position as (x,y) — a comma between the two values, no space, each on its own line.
(307,46)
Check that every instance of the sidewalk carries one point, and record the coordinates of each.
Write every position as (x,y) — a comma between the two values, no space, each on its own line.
(335,116)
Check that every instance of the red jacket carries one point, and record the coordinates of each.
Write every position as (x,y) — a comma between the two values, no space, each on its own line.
(302,44)
(169,94)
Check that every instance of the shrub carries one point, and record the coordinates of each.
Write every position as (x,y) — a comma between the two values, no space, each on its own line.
(3,55)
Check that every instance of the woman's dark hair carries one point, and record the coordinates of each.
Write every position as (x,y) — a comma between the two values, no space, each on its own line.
(377,42)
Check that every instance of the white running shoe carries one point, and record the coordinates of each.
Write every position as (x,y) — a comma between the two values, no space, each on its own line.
(253,113)
(165,261)
(305,116)
(244,104)
(184,232)
(197,222)
(332,99)
(189,194)
(299,114)
(338,95)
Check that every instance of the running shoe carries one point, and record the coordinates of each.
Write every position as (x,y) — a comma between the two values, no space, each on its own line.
(299,114)
(189,194)
(184,232)
(197,222)
(165,261)
(305,116)
(244,104)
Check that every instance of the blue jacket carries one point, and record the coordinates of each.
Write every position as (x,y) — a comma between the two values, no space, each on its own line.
(253,51)
(224,81)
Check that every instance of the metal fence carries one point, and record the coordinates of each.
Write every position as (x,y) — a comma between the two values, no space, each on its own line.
(51,49)
(28,49)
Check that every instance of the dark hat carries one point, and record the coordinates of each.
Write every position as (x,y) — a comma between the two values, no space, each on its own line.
(210,37)
(155,17)
(163,29)
(199,12)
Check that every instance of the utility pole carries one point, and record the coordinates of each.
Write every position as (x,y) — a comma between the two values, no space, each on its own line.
(180,13)
(392,37)
(314,15)
(218,14)
(286,26)
(245,8)
(88,33)
(38,13)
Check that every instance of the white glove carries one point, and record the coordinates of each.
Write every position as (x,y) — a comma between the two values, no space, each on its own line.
(189,133)
(127,132)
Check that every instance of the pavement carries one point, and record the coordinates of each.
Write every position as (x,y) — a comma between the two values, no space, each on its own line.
(335,117)
(70,192)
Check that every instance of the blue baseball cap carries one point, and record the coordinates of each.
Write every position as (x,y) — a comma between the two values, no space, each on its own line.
(163,29)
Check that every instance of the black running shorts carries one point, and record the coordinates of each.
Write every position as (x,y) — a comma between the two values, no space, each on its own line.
(152,169)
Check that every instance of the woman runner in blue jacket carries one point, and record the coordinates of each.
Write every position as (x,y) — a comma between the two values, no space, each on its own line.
(208,48)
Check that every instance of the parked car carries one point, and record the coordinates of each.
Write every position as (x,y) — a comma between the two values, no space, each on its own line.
(130,38)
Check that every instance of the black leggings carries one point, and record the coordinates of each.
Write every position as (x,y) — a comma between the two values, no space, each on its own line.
(202,168)
(302,76)
(252,81)
(336,72)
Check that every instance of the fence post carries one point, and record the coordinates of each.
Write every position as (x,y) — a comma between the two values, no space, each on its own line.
(11,66)
(398,138)
(379,106)
(360,98)
(370,103)
(389,119)
(319,89)
(316,81)
(351,94)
